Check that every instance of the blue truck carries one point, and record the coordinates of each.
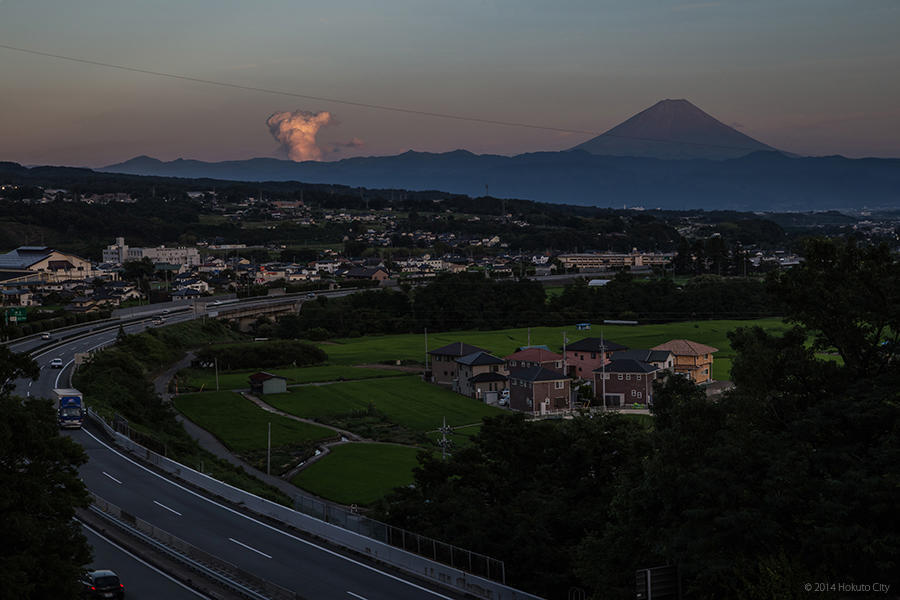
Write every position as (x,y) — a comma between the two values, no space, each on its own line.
(70,407)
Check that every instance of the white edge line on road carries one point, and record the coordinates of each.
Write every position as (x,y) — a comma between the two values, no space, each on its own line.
(167,508)
(249,547)
(267,526)
(142,561)
(357,595)
(111,477)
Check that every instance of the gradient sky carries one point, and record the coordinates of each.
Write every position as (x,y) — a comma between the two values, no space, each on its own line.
(808,76)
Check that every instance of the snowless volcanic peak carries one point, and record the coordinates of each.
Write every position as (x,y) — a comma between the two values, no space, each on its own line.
(673,129)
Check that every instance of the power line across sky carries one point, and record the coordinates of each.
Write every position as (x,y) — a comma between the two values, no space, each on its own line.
(355,103)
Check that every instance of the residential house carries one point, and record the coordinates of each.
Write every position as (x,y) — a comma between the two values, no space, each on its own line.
(47,265)
(17,297)
(585,355)
(371,273)
(692,359)
(534,356)
(625,381)
(538,390)
(480,375)
(444,368)
(661,359)
(267,383)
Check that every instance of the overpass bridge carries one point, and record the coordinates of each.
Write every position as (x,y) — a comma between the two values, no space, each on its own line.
(246,313)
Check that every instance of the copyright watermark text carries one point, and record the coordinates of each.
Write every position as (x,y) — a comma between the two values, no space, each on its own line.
(847,588)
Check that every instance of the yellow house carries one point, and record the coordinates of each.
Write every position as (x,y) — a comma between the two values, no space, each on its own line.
(691,358)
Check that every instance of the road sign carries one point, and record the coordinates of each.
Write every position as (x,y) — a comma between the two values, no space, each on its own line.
(16,314)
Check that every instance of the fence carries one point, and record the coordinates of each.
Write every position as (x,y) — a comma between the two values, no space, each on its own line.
(441,563)
(184,549)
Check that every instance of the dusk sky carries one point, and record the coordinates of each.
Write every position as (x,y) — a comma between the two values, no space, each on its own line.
(807,76)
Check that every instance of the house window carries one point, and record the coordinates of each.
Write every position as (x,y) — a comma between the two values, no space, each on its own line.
(593,355)
(560,385)
(638,376)
(633,393)
(494,368)
(628,376)
(620,377)
(512,363)
(559,364)
(639,394)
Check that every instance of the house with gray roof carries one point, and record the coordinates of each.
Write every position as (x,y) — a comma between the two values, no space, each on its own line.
(480,375)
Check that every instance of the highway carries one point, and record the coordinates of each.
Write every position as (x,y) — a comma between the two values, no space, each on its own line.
(142,580)
(310,569)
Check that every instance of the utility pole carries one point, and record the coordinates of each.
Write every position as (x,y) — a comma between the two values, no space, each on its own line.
(602,371)
(216,363)
(426,349)
(269,451)
(444,443)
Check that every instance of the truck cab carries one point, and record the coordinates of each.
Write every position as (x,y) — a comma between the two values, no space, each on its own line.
(70,407)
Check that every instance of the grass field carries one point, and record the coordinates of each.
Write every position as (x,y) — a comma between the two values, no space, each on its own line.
(359,473)
(195,379)
(243,428)
(407,401)
(387,348)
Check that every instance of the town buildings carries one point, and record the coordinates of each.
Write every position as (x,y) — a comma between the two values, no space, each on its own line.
(120,253)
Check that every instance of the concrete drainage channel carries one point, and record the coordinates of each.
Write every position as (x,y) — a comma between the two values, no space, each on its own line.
(236,582)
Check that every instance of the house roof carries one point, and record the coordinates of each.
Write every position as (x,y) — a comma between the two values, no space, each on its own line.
(536,373)
(23,257)
(456,349)
(363,271)
(482,357)
(686,348)
(647,356)
(489,376)
(535,355)
(592,344)
(627,365)
(263,376)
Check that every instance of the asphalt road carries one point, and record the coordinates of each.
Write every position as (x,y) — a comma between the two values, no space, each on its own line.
(289,561)
(310,569)
(141,580)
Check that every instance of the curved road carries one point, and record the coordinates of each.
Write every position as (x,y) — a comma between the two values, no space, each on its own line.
(310,569)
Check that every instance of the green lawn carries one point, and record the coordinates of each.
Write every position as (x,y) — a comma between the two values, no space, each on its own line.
(406,401)
(359,473)
(389,348)
(241,425)
(195,379)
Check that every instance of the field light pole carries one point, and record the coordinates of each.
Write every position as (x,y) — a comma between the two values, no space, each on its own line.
(269,451)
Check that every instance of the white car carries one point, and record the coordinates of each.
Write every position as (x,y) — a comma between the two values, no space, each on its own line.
(56,363)
(504,397)
(45,335)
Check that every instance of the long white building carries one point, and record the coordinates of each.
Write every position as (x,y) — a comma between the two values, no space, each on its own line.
(120,253)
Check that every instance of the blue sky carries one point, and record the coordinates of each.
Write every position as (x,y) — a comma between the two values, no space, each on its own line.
(808,76)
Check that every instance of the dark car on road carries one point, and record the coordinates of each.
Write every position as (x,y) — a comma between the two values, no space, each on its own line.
(102,584)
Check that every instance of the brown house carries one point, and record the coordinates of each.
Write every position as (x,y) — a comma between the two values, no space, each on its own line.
(538,390)
(624,381)
(583,356)
(444,368)
(480,375)
(692,359)
(372,273)
(535,357)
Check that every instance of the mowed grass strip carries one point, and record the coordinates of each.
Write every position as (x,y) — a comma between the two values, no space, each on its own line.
(243,426)
(406,401)
(389,348)
(238,380)
(359,473)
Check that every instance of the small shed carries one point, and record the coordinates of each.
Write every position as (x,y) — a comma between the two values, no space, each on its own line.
(267,383)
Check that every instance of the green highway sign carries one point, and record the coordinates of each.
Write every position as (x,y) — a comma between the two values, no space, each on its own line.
(16,314)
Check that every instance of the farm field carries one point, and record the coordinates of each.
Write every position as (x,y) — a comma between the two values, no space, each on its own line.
(411,347)
(359,473)
(196,379)
(243,428)
(406,401)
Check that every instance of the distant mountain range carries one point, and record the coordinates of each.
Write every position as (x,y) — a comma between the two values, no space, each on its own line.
(672,155)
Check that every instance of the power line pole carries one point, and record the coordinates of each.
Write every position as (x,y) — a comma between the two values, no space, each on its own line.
(602,371)
(269,451)
(445,443)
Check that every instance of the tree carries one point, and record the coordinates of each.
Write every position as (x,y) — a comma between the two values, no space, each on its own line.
(43,549)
